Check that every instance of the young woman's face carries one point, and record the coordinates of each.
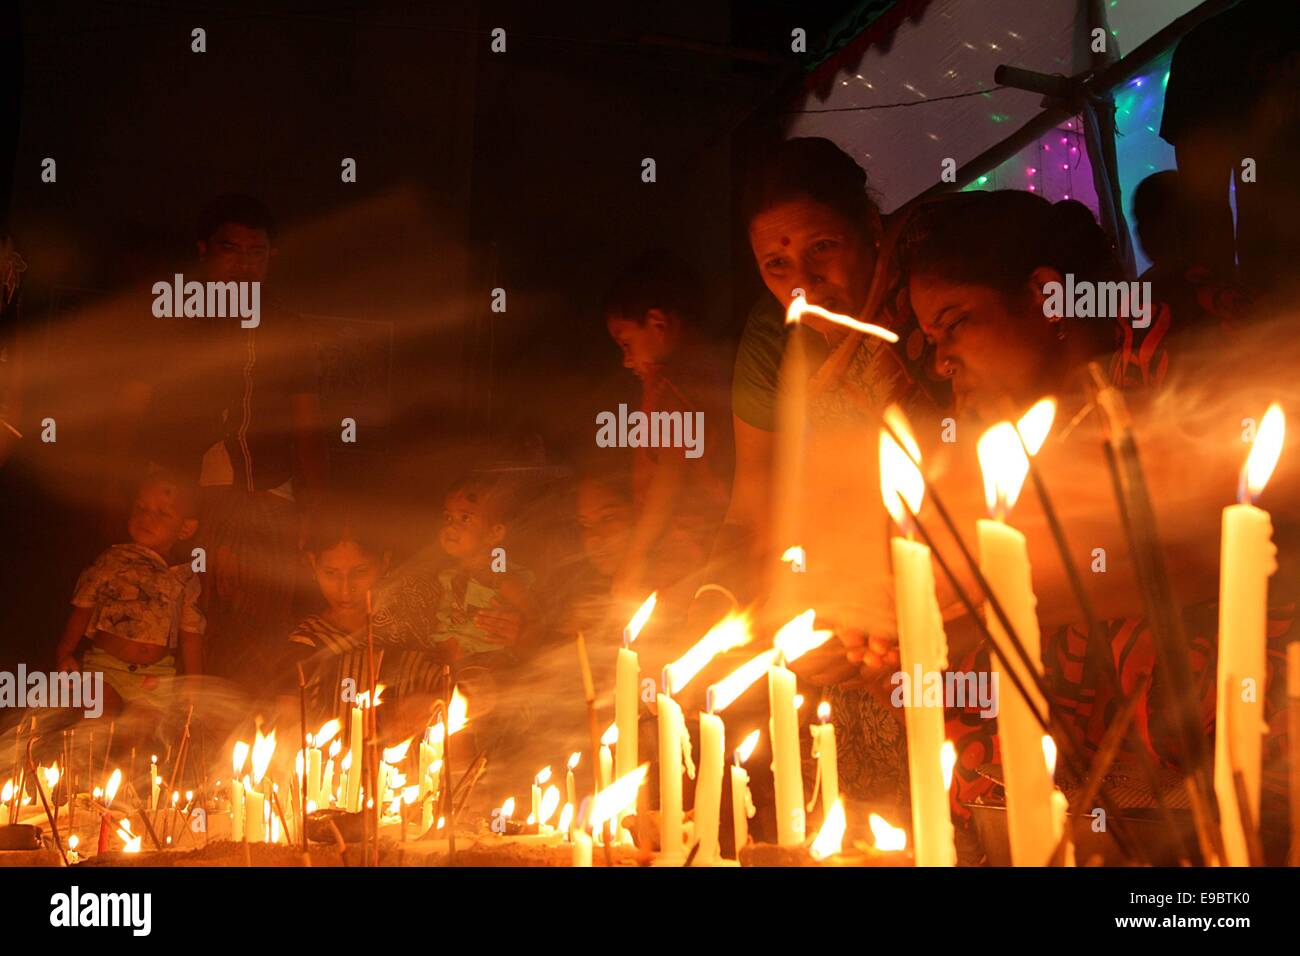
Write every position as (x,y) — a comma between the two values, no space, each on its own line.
(606,522)
(806,245)
(992,349)
(344,573)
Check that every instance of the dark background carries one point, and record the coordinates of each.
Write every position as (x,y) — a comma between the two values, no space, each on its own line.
(476,170)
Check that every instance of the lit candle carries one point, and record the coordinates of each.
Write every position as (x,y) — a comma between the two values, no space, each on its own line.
(254,801)
(607,741)
(675,740)
(708,789)
(581,840)
(627,678)
(316,742)
(742,801)
(795,638)
(238,759)
(570,788)
(1060,803)
(1248,560)
(1004,562)
(922,646)
(155,782)
(327,776)
(354,757)
(257,796)
(823,751)
(543,775)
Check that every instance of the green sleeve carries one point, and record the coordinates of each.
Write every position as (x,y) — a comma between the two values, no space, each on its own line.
(758,362)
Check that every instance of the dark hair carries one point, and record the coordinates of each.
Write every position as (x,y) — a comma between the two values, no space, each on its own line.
(655,280)
(1155,215)
(235,208)
(498,494)
(997,239)
(186,492)
(812,168)
(333,523)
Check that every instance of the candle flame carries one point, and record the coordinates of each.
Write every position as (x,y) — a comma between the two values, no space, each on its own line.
(1265,452)
(397,753)
(747,747)
(335,748)
(550,802)
(239,756)
(948,761)
(1049,753)
(543,775)
(574,759)
(1035,424)
(411,794)
(800,307)
(458,714)
(731,631)
(508,808)
(886,835)
(794,553)
(1005,466)
(263,749)
(724,693)
(830,839)
(634,626)
(824,711)
(7,793)
(797,637)
(347,761)
(132,841)
(616,798)
(610,737)
(328,731)
(566,818)
(900,476)
(798,701)
(51,774)
(111,788)
(74,841)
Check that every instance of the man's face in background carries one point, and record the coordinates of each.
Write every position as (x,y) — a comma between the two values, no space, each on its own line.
(236,253)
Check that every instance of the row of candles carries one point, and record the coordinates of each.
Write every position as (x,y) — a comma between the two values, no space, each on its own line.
(1036,809)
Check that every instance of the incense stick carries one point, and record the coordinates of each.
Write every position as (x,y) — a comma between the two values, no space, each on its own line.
(302,728)
(593,725)
(45,804)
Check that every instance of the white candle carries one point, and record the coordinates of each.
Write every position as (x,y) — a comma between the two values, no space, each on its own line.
(1004,562)
(1248,560)
(742,801)
(570,785)
(581,847)
(155,782)
(922,644)
(354,771)
(786,770)
(313,775)
(708,789)
(627,679)
(254,813)
(672,727)
(823,751)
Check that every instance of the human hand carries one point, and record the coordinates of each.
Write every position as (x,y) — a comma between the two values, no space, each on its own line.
(501,623)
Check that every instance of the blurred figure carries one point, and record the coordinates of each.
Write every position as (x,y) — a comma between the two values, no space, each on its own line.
(1232,98)
(653,312)
(238,408)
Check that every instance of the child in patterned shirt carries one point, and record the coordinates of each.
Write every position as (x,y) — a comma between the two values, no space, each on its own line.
(140,612)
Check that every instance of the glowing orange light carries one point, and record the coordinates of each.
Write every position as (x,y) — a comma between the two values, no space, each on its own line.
(1004,465)
(948,761)
(618,797)
(799,307)
(1265,452)
(725,692)
(731,631)
(797,637)
(747,747)
(830,839)
(900,476)
(634,626)
(886,835)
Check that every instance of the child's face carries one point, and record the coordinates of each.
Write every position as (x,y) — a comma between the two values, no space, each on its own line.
(344,573)
(606,522)
(467,534)
(644,344)
(158,517)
